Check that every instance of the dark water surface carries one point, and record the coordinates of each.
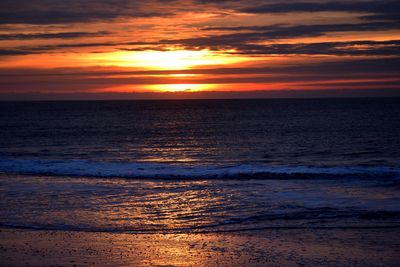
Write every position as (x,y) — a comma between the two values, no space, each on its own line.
(201,165)
(275,132)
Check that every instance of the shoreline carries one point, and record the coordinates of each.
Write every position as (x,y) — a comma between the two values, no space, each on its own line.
(305,247)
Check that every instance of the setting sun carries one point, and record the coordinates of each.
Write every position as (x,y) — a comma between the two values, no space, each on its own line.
(162,60)
(179,87)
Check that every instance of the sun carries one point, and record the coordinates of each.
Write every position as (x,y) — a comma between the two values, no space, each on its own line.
(181,59)
(163,60)
(179,87)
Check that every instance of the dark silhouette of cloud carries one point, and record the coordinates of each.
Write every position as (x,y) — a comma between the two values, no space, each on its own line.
(287,31)
(43,12)
(375,48)
(382,9)
(72,11)
(12,52)
(243,43)
(58,35)
(352,48)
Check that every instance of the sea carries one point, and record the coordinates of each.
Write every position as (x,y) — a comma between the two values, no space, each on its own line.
(200,166)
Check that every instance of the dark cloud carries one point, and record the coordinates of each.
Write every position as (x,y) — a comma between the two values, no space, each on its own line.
(43,12)
(243,43)
(363,83)
(39,49)
(216,43)
(26,50)
(394,17)
(381,6)
(382,9)
(58,35)
(286,31)
(352,48)
(13,52)
(72,11)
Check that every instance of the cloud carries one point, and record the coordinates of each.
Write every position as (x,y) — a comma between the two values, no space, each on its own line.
(351,48)
(238,42)
(58,35)
(382,9)
(286,31)
(13,52)
(243,39)
(43,12)
(50,12)
(41,49)
(244,43)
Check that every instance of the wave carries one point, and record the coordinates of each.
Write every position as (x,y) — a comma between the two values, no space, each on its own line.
(87,168)
(314,219)
(194,231)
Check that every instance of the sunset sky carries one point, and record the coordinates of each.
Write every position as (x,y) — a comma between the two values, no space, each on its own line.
(122,49)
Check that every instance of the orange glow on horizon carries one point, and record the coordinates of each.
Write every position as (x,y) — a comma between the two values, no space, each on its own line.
(179,87)
(162,88)
(164,60)
(196,88)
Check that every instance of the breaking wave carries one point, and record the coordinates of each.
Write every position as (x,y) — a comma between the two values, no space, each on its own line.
(86,168)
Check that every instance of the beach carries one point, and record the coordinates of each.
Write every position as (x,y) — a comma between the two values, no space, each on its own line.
(329,247)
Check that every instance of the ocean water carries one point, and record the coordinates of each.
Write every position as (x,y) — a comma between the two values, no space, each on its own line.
(200,165)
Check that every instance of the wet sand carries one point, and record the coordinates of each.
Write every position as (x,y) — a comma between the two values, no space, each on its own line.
(309,247)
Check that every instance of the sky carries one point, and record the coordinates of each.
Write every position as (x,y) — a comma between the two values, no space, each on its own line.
(172,49)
